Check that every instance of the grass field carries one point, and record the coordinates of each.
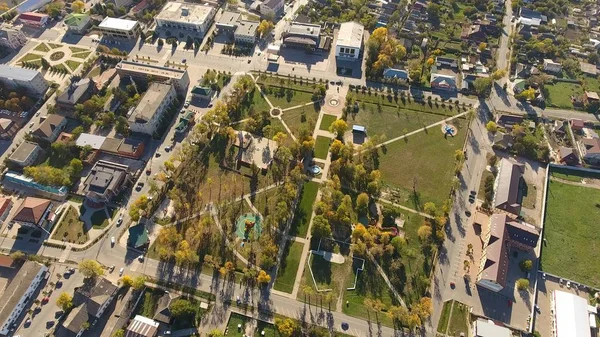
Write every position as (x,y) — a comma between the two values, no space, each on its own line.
(81,55)
(572,216)
(30,57)
(322,147)
(295,118)
(283,100)
(149,302)
(236,319)
(391,122)
(440,108)
(326,121)
(71,229)
(261,201)
(444,317)
(426,161)
(76,50)
(42,47)
(286,275)
(458,320)
(327,276)
(72,64)
(559,94)
(94,72)
(304,209)
(572,175)
(369,284)
(54,45)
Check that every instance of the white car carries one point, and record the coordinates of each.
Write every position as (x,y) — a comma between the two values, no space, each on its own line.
(120,220)
(121,271)
(112,241)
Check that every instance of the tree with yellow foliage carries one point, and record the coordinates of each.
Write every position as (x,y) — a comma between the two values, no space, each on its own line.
(286,327)
(263,277)
(78,6)
(126,281)
(265,27)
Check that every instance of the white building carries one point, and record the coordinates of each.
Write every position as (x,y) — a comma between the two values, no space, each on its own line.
(11,36)
(26,154)
(141,326)
(18,293)
(483,328)
(120,28)
(246,32)
(572,315)
(188,18)
(178,77)
(270,9)
(551,66)
(30,80)
(349,41)
(149,111)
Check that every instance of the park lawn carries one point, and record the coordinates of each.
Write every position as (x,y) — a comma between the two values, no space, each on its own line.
(42,47)
(81,55)
(326,121)
(307,85)
(440,108)
(572,175)
(72,64)
(304,209)
(236,319)
(94,72)
(263,201)
(76,50)
(444,317)
(559,94)
(572,216)
(391,122)
(295,118)
(322,147)
(529,191)
(30,57)
(284,101)
(426,162)
(328,276)
(286,274)
(260,104)
(71,229)
(458,320)
(268,328)
(369,284)
(54,45)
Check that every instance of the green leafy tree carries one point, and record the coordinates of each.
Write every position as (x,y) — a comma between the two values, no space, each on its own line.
(491,127)
(338,127)
(320,227)
(90,268)
(483,86)
(526,265)
(65,301)
(182,308)
(522,284)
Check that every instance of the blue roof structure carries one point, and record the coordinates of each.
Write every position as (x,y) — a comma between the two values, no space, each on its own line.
(395,73)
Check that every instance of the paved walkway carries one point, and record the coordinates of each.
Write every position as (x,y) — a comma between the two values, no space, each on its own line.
(405,208)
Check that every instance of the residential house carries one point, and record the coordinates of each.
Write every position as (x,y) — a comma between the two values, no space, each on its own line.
(302,35)
(141,326)
(202,93)
(588,68)
(26,154)
(396,74)
(105,181)
(12,37)
(34,19)
(78,92)
(151,108)
(502,233)
(592,97)
(271,8)
(5,207)
(245,33)
(77,23)
(446,62)
(443,81)
(90,301)
(507,195)
(15,77)
(123,147)
(19,292)
(33,212)
(163,308)
(577,125)
(567,156)
(552,67)
(591,151)
(507,121)
(349,42)
(8,129)
(50,128)
(530,17)
(475,33)
(560,128)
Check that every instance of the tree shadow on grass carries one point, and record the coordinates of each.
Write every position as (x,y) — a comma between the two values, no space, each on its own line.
(321,270)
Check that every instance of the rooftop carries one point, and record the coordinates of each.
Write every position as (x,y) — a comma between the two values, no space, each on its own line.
(148,105)
(16,73)
(138,236)
(32,210)
(507,189)
(485,328)
(94,296)
(141,326)
(75,19)
(17,288)
(30,16)
(105,176)
(304,29)
(350,34)
(255,149)
(76,90)
(571,315)
(151,69)
(23,151)
(228,19)
(114,23)
(247,28)
(88,139)
(185,12)
(49,126)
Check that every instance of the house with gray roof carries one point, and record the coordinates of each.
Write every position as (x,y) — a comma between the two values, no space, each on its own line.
(26,154)
(78,92)
(507,195)
(105,181)
(12,37)
(31,80)
(50,128)
(302,35)
(151,108)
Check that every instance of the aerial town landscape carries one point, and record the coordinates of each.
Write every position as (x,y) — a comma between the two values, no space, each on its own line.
(289,168)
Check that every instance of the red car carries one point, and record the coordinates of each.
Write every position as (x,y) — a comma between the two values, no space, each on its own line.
(45,300)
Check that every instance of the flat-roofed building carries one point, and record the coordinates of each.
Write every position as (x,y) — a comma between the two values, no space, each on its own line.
(31,80)
(34,19)
(26,154)
(120,28)
(179,78)
(105,181)
(151,108)
(271,9)
(246,32)
(141,326)
(228,21)
(18,293)
(302,35)
(349,41)
(572,315)
(11,36)
(124,147)
(191,18)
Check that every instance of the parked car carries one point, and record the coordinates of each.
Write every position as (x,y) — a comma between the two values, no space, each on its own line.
(120,220)
(141,258)
(111,268)
(45,300)
(121,271)
(112,241)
